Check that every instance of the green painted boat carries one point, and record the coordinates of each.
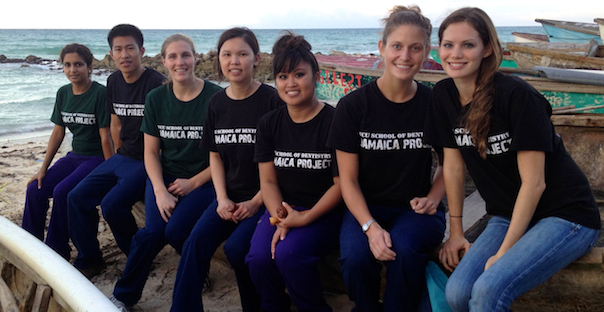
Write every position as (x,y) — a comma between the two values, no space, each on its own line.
(507,61)
(335,81)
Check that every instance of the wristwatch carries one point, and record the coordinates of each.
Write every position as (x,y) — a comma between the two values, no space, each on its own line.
(365,226)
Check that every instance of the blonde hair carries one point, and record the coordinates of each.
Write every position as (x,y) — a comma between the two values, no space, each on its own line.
(477,119)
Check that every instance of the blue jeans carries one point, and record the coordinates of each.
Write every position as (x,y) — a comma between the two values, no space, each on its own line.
(295,263)
(116,185)
(150,240)
(413,237)
(547,247)
(207,235)
(60,179)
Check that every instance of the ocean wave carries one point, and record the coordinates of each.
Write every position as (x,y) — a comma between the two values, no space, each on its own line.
(25,129)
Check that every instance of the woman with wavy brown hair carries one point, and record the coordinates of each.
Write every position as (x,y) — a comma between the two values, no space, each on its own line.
(543,213)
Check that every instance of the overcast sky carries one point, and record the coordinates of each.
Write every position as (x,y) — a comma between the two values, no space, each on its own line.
(273,14)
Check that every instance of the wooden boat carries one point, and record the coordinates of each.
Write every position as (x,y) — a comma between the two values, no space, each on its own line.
(532,38)
(335,81)
(35,278)
(600,22)
(574,32)
(557,54)
(507,61)
(365,61)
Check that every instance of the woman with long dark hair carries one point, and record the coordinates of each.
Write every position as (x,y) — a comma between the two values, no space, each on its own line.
(543,213)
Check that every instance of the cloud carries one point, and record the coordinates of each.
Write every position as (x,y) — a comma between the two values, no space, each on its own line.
(190,14)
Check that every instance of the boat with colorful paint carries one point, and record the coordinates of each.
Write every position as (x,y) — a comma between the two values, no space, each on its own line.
(573,32)
(507,61)
(557,54)
(527,37)
(600,22)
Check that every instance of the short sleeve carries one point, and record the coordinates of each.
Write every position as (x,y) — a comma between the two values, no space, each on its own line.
(207,139)
(438,126)
(344,130)
(102,116)
(529,117)
(264,150)
(108,97)
(56,113)
(149,125)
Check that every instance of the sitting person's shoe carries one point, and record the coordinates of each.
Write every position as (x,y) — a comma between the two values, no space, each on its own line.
(94,270)
(119,305)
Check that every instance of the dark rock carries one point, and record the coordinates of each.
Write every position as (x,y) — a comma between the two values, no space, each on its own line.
(32,59)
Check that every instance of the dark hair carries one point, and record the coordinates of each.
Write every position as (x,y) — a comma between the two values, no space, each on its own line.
(125,30)
(289,51)
(412,15)
(238,32)
(80,49)
(477,119)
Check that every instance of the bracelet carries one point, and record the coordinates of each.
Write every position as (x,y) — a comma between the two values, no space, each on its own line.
(455,216)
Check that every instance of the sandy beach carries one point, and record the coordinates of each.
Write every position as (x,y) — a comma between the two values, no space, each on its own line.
(21,158)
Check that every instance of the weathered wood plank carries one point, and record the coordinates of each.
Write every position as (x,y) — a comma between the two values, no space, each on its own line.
(7,300)
(42,299)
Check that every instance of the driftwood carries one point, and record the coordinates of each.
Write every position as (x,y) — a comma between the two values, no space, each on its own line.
(566,110)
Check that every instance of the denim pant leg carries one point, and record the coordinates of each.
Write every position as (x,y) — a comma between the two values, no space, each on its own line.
(207,234)
(298,256)
(188,211)
(116,206)
(36,200)
(543,250)
(149,241)
(413,237)
(236,248)
(57,236)
(83,217)
(263,270)
(360,269)
(458,290)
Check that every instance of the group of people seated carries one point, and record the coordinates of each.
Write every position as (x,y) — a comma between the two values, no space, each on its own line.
(286,179)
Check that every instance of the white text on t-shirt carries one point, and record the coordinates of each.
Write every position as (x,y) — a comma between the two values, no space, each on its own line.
(235,136)
(376,141)
(312,161)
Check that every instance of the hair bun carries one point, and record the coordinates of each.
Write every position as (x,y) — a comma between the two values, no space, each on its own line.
(402,8)
(289,41)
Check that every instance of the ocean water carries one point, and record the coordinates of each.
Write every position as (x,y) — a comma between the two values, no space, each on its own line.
(27,92)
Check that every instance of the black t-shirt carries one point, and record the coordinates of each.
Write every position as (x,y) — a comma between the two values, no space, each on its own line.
(230,130)
(394,163)
(520,120)
(127,101)
(302,160)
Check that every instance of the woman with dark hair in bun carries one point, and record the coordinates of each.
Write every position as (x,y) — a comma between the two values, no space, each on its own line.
(394,212)
(299,184)
(229,135)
